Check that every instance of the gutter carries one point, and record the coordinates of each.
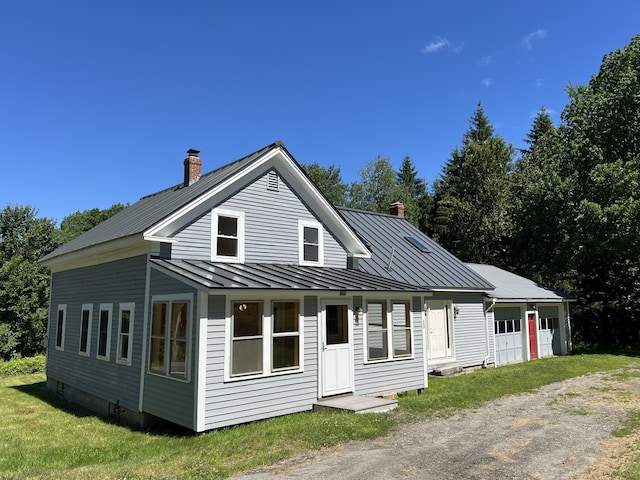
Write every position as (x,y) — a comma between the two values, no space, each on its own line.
(486,333)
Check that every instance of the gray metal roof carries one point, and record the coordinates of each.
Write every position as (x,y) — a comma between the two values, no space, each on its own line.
(274,276)
(510,286)
(151,209)
(386,234)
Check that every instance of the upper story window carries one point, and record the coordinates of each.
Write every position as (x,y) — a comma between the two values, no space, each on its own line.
(310,243)
(228,236)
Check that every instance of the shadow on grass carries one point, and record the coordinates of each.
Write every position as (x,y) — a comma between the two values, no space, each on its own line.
(39,391)
(598,350)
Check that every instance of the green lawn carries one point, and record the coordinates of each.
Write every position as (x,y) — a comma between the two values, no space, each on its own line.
(42,437)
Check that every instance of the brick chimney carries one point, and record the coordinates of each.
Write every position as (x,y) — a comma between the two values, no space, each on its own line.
(192,167)
(397,209)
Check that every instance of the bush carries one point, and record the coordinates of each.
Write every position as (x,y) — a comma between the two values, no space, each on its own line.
(22,366)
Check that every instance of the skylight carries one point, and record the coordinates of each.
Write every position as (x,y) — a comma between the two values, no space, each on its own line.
(418,244)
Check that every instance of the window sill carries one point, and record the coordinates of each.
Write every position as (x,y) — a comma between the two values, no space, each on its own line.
(386,360)
(168,377)
(126,363)
(104,359)
(258,376)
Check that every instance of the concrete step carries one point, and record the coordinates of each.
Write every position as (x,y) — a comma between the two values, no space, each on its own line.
(447,371)
(356,404)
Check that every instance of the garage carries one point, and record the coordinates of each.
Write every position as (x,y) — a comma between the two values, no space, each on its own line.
(508,335)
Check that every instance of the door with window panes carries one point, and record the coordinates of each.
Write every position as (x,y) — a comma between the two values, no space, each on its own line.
(336,352)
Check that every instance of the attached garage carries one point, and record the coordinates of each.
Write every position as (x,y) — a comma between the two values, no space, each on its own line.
(530,320)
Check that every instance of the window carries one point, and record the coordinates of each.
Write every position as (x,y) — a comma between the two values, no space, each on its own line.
(380,336)
(418,244)
(310,243)
(286,336)
(85,328)
(228,233)
(169,332)
(125,330)
(61,326)
(104,331)
(246,341)
(265,338)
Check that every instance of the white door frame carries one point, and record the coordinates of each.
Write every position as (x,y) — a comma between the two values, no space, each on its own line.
(447,331)
(327,354)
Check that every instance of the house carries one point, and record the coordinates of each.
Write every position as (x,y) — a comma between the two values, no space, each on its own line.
(230,297)
(529,320)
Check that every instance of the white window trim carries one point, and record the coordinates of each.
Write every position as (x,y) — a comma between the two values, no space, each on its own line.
(301,260)
(214,235)
(131,306)
(187,297)
(267,337)
(109,308)
(61,308)
(88,307)
(365,336)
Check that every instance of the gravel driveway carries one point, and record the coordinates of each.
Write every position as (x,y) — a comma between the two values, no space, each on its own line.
(560,431)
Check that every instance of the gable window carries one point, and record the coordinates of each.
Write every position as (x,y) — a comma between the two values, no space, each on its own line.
(310,243)
(85,328)
(104,331)
(169,333)
(61,326)
(125,330)
(228,236)
(388,330)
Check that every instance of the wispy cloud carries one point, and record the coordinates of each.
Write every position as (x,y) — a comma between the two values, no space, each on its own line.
(436,45)
(527,41)
(538,83)
(550,111)
(458,48)
(484,61)
(487,82)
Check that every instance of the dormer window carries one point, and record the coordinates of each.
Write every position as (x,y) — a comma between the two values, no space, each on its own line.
(310,243)
(228,236)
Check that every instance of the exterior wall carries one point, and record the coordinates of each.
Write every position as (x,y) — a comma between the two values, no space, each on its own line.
(271,228)
(401,375)
(470,331)
(169,398)
(245,400)
(113,283)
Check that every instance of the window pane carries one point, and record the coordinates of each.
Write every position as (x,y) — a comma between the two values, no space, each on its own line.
(311,253)
(177,366)
(159,316)
(124,346)
(377,342)
(517,323)
(227,247)
(247,319)
(337,326)
(125,318)
(84,331)
(228,226)
(59,328)
(311,235)
(285,317)
(401,341)
(401,315)
(246,356)
(179,320)
(102,340)
(285,352)
(157,355)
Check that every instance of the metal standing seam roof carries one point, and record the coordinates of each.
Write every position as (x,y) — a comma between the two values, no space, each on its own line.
(153,208)
(510,286)
(216,275)
(386,234)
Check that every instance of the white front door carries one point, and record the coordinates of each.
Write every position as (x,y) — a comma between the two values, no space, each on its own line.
(439,329)
(336,350)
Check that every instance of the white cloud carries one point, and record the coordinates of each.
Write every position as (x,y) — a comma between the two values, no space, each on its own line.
(538,83)
(527,41)
(436,45)
(487,82)
(484,61)
(458,48)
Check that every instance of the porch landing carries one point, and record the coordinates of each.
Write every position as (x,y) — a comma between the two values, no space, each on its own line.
(356,404)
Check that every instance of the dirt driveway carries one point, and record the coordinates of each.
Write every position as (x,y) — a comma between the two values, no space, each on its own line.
(560,431)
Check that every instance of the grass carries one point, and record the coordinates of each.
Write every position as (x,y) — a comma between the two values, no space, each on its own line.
(43,437)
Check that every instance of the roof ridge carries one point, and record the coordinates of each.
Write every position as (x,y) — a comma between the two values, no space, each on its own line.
(358,210)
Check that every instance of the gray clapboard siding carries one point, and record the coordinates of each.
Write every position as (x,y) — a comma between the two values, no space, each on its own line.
(253,399)
(114,282)
(271,228)
(165,397)
(379,378)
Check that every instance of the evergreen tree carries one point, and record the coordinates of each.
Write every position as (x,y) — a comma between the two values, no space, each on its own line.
(412,191)
(329,181)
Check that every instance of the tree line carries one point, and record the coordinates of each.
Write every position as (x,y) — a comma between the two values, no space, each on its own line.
(563,211)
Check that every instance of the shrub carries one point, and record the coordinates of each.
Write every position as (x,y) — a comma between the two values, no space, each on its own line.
(22,366)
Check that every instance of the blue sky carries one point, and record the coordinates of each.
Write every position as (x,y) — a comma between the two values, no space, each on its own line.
(99,100)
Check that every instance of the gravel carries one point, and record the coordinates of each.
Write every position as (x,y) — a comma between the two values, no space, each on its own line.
(562,430)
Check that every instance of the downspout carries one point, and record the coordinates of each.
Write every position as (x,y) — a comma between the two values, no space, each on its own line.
(486,332)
